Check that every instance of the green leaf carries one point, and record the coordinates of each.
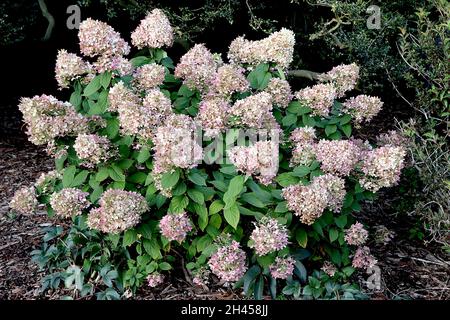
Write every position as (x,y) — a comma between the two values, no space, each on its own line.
(347,129)
(179,189)
(301,171)
(259,287)
(92,87)
(202,215)
(250,276)
(334,234)
(330,129)
(335,136)
(105,79)
(232,215)
(145,230)
(286,179)
(308,120)
(289,120)
(215,207)
(260,76)
(266,260)
(164,266)
(116,173)
(138,177)
(178,203)
(102,174)
(80,178)
(152,248)
(341,221)
(345,119)
(112,128)
(169,180)
(96,194)
(143,155)
(68,176)
(236,186)
(140,61)
(197,178)
(196,195)
(252,199)
(300,271)
(75,99)
(129,237)
(302,237)
(281,207)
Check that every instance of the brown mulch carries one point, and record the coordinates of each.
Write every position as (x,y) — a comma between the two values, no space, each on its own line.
(409,268)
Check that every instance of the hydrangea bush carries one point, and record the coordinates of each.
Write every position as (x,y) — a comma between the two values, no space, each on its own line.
(219,168)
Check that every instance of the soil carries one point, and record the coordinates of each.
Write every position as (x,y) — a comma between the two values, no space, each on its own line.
(410,268)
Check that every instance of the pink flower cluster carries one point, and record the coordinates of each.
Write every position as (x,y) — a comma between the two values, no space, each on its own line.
(175,226)
(282,268)
(356,235)
(335,187)
(303,151)
(382,167)
(48,118)
(24,200)
(319,98)
(121,98)
(139,117)
(255,112)
(155,279)
(197,68)
(154,31)
(118,64)
(149,76)
(228,262)
(343,77)
(363,259)
(260,160)
(45,182)
(268,236)
(69,67)
(309,202)
(69,202)
(277,48)
(92,148)
(329,268)
(337,156)
(213,116)
(280,90)
(362,108)
(228,79)
(99,39)
(201,277)
(175,146)
(119,210)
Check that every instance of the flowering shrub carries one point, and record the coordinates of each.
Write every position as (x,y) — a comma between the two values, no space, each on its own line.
(222,163)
